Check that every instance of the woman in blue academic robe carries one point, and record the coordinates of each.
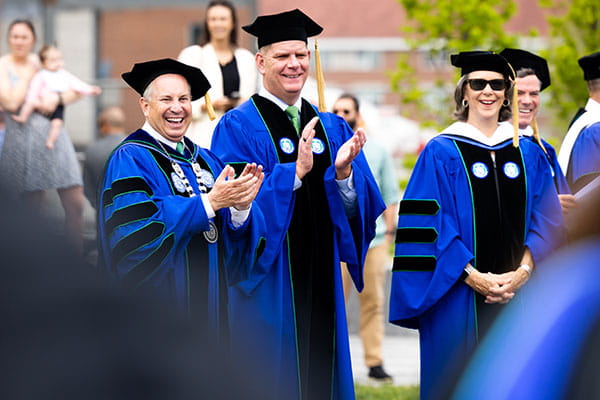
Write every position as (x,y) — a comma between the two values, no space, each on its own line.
(480,211)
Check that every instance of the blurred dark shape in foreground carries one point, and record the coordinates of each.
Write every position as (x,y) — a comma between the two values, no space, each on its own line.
(66,336)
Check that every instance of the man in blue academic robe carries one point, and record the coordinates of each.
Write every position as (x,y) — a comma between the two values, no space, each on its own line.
(173,220)
(532,77)
(579,154)
(322,203)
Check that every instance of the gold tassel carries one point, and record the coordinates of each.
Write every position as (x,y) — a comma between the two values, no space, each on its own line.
(209,107)
(515,113)
(320,79)
(536,134)
(515,109)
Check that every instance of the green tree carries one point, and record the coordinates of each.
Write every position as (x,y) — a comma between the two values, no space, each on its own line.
(574,32)
(437,28)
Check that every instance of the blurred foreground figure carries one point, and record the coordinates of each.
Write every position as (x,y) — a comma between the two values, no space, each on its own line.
(65,337)
(551,348)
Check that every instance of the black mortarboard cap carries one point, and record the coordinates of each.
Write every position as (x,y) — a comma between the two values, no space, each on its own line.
(288,25)
(520,59)
(470,61)
(142,74)
(590,65)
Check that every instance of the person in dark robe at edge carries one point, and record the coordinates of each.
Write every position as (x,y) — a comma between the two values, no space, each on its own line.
(173,219)
(323,203)
(533,76)
(479,212)
(579,154)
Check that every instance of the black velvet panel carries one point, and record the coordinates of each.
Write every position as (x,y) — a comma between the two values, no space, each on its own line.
(127,185)
(414,263)
(146,268)
(499,196)
(419,207)
(416,235)
(311,252)
(134,212)
(135,240)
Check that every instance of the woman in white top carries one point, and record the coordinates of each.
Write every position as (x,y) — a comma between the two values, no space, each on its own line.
(230,69)
(27,167)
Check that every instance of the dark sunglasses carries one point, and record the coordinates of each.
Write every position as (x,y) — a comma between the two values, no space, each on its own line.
(480,84)
(345,111)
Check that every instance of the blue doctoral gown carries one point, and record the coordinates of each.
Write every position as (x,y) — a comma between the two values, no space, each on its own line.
(560,181)
(585,157)
(156,238)
(453,213)
(291,323)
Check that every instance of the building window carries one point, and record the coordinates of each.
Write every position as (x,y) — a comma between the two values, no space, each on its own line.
(351,60)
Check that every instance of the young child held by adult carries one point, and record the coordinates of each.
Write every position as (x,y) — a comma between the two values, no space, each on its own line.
(52,78)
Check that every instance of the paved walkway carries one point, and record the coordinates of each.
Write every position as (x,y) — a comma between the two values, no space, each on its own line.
(401,358)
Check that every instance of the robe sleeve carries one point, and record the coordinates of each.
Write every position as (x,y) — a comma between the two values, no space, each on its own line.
(545,228)
(434,240)
(237,141)
(560,180)
(141,224)
(352,236)
(586,156)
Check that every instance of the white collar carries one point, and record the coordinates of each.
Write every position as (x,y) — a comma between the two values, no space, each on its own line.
(527,131)
(503,132)
(280,103)
(592,106)
(152,132)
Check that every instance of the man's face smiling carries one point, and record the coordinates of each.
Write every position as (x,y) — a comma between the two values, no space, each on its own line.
(529,99)
(169,107)
(284,66)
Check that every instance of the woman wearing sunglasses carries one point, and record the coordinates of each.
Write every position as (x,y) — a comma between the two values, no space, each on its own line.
(480,211)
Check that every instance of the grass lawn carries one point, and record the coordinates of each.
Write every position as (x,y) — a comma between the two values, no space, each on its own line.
(386,392)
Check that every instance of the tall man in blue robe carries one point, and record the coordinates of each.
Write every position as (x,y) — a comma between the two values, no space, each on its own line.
(322,201)
(173,220)
(579,154)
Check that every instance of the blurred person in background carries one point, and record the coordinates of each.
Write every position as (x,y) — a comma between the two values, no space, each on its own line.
(479,213)
(229,68)
(27,166)
(533,76)
(579,154)
(111,129)
(52,78)
(378,256)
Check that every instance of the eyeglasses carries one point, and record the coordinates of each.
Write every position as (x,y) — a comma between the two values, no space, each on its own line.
(343,110)
(480,84)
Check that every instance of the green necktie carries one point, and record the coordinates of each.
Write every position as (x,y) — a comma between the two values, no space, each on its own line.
(179,148)
(292,112)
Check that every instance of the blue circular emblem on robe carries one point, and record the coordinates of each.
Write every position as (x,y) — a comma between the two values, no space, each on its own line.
(177,182)
(317,146)
(511,170)
(480,170)
(206,178)
(287,146)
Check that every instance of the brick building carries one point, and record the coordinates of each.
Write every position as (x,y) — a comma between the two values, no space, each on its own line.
(102,38)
